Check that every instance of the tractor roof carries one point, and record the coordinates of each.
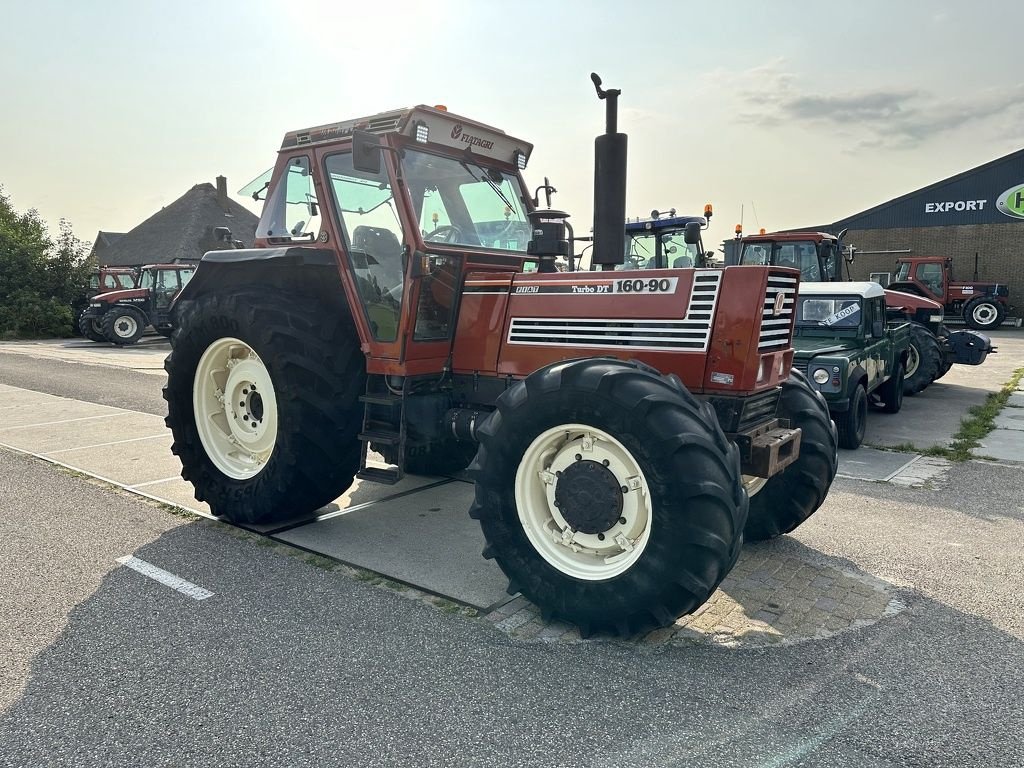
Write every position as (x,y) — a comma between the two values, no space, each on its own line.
(441,126)
(676,222)
(865,289)
(786,236)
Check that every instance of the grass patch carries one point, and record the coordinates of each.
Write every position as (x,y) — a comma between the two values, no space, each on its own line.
(978,424)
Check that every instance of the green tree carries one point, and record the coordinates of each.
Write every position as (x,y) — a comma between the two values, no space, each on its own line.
(39,277)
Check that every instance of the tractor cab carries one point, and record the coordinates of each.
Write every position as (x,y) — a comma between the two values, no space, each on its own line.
(926,276)
(815,254)
(666,241)
(409,201)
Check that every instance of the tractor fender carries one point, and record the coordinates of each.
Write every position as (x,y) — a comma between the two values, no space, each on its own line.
(312,270)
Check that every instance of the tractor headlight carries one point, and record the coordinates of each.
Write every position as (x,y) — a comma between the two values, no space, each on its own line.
(820,376)
(935,318)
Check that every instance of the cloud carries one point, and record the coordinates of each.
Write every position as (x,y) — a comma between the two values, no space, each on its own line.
(880,118)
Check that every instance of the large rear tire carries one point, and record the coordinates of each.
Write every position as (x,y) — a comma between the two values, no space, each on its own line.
(924,360)
(263,401)
(984,314)
(790,497)
(608,495)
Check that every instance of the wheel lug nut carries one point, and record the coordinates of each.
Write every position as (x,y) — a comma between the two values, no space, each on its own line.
(245,391)
(579,457)
(622,520)
(600,537)
(241,404)
(625,489)
(558,474)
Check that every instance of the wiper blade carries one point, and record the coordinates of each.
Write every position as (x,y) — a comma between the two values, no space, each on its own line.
(491,184)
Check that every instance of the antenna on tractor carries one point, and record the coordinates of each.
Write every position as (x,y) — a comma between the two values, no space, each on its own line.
(609,184)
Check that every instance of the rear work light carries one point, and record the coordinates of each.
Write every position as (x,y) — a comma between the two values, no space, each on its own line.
(520,159)
(422,132)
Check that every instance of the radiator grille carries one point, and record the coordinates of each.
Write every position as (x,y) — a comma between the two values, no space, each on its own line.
(777,314)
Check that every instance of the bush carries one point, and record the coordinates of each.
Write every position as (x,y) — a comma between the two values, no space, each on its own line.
(39,278)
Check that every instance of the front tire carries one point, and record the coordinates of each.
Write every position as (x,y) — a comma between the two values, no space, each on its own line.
(263,401)
(123,326)
(608,495)
(852,424)
(91,328)
(984,314)
(790,497)
(924,360)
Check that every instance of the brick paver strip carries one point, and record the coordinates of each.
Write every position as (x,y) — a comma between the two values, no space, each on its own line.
(767,599)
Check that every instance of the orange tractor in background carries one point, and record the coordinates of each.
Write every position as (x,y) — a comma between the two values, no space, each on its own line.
(625,429)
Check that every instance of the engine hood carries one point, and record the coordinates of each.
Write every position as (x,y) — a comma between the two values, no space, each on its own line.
(903,300)
(113,297)
(805,346)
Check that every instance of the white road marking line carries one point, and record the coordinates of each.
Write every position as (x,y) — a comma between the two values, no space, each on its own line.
(113,442)
(67,421)
(165,578)
(155,482)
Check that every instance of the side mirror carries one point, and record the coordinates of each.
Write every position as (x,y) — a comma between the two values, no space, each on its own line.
(691,234)
(878,329)
(366,152)
(223,234)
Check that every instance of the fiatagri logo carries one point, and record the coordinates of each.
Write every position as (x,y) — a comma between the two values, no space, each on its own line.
(1011,202)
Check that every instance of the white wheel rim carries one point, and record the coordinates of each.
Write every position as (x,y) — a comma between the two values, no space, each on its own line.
(235,408)
(125,326)
(913,360)
(586,556)
(984,314)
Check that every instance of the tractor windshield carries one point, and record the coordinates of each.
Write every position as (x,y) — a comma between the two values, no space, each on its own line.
(146,281)
(460,202)
(796,254)
(641,249)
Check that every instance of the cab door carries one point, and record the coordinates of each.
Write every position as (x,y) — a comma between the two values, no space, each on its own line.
(932,278)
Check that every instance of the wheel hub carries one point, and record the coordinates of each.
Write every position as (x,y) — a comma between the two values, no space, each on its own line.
(589,497)
(913,360)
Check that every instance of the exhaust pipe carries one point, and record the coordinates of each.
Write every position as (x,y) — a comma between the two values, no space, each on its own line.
(609,185)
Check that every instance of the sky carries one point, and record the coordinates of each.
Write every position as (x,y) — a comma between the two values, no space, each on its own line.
(785,113)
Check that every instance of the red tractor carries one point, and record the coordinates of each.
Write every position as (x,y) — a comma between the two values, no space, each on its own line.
(628,427)
(102,280)
(982,305)
(933,348)
(122,316)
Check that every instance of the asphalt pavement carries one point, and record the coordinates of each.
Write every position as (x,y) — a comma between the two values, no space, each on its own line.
(295,660)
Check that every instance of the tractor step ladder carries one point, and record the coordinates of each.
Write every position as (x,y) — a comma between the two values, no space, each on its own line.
(383,425)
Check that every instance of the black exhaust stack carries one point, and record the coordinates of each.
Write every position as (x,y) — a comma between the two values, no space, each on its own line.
(609,185)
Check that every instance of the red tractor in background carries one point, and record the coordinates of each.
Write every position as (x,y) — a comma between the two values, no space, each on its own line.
(982,305)
(934,349)
(629,428)
(102,280)
(121,316)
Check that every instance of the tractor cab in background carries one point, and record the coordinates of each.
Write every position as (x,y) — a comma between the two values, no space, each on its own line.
(667,241)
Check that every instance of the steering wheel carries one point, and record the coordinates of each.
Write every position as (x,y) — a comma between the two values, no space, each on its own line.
(446,233)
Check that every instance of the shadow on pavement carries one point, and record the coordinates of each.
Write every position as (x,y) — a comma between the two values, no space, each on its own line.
(290,664)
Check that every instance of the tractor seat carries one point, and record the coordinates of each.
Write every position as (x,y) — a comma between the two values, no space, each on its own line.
(380,244)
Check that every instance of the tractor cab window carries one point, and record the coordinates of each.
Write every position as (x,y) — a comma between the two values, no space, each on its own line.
(641,251)
(798,255)
(374,240)
(94,281)
(146,280)
(110,283)
(756,254)
(931,276)
(292,205)
(904,271)
(460,202)
(126,281)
